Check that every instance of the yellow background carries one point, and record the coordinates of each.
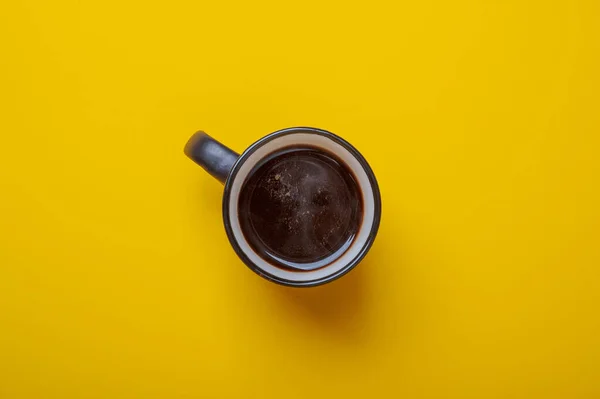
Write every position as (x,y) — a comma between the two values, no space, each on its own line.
(480,118)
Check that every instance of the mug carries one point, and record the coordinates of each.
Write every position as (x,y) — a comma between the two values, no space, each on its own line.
(233,170)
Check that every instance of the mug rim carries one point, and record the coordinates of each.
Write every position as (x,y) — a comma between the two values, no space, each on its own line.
(372,181)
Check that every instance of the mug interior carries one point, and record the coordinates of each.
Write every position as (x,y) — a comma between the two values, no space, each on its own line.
(329,143)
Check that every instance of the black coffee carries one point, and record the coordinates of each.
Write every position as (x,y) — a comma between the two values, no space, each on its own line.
(300,208)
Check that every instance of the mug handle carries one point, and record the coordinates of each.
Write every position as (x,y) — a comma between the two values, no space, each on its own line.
(213,156)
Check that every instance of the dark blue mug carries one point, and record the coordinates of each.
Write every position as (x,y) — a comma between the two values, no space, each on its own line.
(234,170)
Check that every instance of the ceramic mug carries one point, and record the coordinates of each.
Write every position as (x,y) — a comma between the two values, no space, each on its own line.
(233,170)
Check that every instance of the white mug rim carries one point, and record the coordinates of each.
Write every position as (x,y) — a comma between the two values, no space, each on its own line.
(347,266)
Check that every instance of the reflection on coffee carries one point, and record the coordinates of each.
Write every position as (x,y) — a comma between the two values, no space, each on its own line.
(300,208)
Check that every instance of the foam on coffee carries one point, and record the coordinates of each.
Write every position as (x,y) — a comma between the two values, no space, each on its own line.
(300,208)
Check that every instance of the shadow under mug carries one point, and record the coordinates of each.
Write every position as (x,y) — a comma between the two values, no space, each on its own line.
(233,169)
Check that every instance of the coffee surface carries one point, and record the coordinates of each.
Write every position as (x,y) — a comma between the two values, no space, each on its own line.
(300,208)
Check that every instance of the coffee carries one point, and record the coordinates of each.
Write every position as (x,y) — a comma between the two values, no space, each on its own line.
(300,208)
